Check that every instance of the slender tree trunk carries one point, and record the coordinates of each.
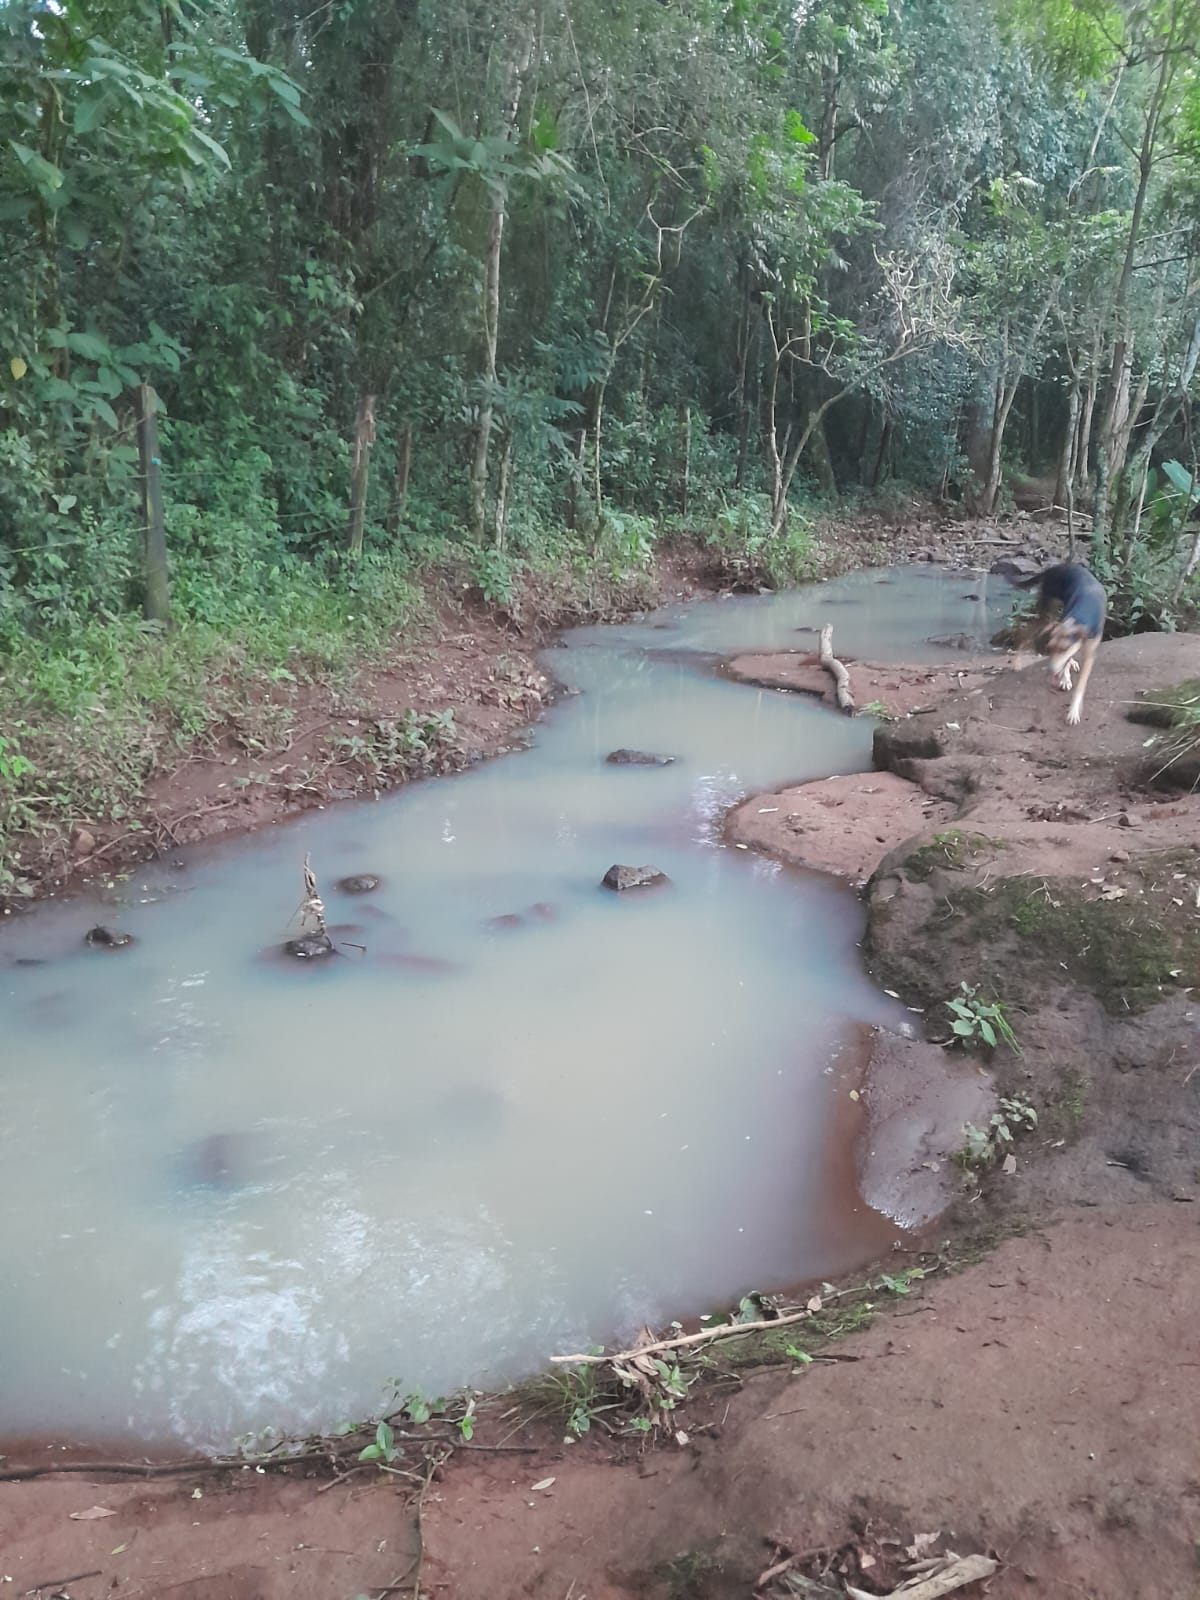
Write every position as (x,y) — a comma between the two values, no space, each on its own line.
(491,333)
(597,458)
(156,588)
(822,462)
(881,455)
(1083,464)
(1122,357)
(1066,459)
(502,490)
(518,65)
(360,461)
(400,481)
(685,478)
(743,389)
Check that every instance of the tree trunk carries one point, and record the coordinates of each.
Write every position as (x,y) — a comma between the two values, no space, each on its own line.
(685,478)
(156,588)
(360,460)
(518,65)
(400,481)
(491,333)
(502,490)
(1083,464)
(743,391)
(822,463)
(1066,459)
(885,441)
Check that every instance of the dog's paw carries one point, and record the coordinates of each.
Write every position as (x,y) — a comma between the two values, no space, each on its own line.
(1064,678)
(1073,716)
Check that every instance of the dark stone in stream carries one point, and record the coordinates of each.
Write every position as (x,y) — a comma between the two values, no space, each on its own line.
(1015,566)
(637,758)
(310,947)
(359,883)
(622,878)
(102,938)
(543,911)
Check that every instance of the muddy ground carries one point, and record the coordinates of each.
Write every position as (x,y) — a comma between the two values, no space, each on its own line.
(1034,1397)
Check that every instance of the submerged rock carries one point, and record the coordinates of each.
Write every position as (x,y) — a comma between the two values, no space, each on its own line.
(359,883)
(310,947)
(637,758)
(102,938)
(952,641)
(213,1162)
(622,878)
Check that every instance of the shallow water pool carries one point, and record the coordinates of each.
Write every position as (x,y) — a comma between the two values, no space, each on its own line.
(243,1193)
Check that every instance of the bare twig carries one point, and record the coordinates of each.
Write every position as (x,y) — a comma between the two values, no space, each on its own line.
(61,1583)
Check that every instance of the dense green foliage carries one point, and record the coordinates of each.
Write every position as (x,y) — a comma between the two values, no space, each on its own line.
(513,283)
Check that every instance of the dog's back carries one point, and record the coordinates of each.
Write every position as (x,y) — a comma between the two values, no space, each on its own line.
(1080,594)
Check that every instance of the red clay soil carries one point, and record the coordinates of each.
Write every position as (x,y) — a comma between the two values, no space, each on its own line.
(1043,1406)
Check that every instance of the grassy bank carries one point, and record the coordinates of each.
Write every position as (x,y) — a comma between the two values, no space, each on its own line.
(96,704)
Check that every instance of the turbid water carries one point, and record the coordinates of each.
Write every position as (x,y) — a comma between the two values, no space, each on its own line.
(245,1193)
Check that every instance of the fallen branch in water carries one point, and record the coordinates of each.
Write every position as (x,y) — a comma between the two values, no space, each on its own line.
(723,1330)
(835,669)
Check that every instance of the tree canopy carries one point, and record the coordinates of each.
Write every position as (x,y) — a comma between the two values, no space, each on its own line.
(525,277)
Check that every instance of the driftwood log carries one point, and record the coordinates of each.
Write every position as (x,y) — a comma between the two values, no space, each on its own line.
(835,669)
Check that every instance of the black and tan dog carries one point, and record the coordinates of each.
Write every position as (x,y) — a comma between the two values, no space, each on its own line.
(1075,636)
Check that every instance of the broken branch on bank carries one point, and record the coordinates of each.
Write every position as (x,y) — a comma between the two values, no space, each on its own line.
(723,1330)
(835,669)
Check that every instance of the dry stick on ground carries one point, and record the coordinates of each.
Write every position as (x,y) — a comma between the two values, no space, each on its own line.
(835,669)
(722,1331)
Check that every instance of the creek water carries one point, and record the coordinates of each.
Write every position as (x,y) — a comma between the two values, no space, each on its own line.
(243,1192)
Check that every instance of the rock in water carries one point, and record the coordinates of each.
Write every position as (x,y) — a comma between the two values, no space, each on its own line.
(1015,566)
(622,878)
(101,938)
(637,758)
(360,883)
(310,947)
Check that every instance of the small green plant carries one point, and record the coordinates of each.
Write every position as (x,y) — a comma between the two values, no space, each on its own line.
(901,1283)
(800,1357)
(13,765)
(581,1395)
(383,1448)
(876,709)
(983,1146)
(976,1019)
